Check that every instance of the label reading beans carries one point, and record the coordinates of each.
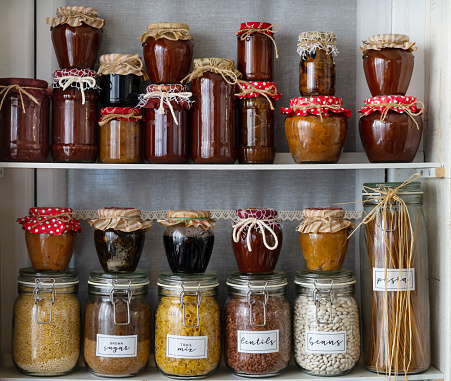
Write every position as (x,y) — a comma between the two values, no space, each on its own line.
(397,279)
(187,347)
(258,341)
(325,342)
(116,346)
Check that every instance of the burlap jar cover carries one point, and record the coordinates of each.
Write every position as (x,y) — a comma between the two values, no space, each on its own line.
(195,218)
(50,220)
(80,79)
(323,220)
(254,89)
(123,219)
(122,64)
(222,66)
(170,30)
(309,42)
(381,41)
(75,16)
(119,113)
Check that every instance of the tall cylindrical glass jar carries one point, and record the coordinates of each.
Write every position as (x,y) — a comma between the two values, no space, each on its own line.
(395,292)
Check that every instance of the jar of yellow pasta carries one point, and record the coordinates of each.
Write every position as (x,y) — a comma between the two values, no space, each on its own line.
(187,325)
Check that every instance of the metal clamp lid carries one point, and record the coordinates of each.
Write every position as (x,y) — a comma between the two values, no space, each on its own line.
(328,296)
(197,294)
(40,289)
(259,290)
(127,297)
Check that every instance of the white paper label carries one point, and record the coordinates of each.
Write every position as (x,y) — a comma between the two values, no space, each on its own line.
(325,342)
(397,280)
(117,346)
(187,347)
(258,341)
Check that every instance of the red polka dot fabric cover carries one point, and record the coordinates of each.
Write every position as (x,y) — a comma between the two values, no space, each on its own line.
(262,85)
(383,102)
(302,106)
(121,110)
(254,25)
(51,220)
(89,74)
(268,215)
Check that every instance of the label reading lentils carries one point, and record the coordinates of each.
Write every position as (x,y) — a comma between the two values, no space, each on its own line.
(258,341)
(187,347)
(116,346)
(325,342)
(397,279)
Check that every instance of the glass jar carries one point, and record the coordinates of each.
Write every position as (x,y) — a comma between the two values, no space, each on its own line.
(257,240)
(187,325)
(255,51)
(119,90)
(46,323)
(257,336)
(117,324)
(317,65)
(316,133)
(74,115)
(121,135)
(24,119)
(395,292)
(168,51)
(76,36)
(326,328)
(391,132)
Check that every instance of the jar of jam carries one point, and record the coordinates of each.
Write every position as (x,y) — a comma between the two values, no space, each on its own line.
(317,65)
(188,240)
(167,123)
(119,78)
(50,235)
(24,119)
(167,51)
(187,325)
(74,114)
(76,36)
(391,128)
(257,240)
(213,115)
(119,238)
(257,318)
(388,63)
(121,135)
(323,237)
(316,129)
(256,115)
(256,48)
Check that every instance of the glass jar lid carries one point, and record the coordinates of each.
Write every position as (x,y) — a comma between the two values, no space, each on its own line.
(342,278)
(133,280)
(30,277)
(257,282)
(188,282)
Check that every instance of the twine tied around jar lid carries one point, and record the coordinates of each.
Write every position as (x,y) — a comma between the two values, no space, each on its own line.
(122,64)
(323,220)
(78,78)
(246,32)
(169,30)
(320,106)
(222,66)
(309,42)
(194,218)
(49,220)
(267,89)
(21,90)
(381,41)
(123,219)
(123,113)
(75,16)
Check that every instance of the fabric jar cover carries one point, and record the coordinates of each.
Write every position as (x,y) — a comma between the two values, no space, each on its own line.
(49,220)
(263,214)
(265,26)
(88,76)
(309,42)
(302,106)
(193,218)
(122,64)
(168,92)
(132,114)
(170,30)
(323,220)
(75,16)
(269,88)
(397,103)
(222,66)
(381,41)
(36,88)
(123,219)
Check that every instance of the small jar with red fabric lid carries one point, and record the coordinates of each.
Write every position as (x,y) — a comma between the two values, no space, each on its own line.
(50,235)
(24,119)
(316,128)
(167,123)
(256,49)
(121,135)
(256,114)
(74,114)
(257,240)
(391,128)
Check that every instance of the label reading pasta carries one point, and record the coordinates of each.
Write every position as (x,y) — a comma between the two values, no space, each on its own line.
(116,346)
(187,347)
(396,280)
(325,342)
(258,341)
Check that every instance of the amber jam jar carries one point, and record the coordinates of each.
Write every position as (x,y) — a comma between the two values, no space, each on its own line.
(391,128)
(388,63)
(256,46)
(257,240)
(74,114)
(316,129)
(119,238)
(120,135)
(317,65)
(50,235)
(24,119)
(76,35)
(167,123)
(323,237)
(167,51)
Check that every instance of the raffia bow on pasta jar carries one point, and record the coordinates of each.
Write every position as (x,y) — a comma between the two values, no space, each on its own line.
(323,237)
(257,240)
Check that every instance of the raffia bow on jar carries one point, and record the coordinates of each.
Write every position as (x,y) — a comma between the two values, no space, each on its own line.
(320,106)
(246,29)
(251,89)
(381,41)
(21,86)
(222,66)
(75,16)
(81,79)
(123,219)
(122,64)
(119,113)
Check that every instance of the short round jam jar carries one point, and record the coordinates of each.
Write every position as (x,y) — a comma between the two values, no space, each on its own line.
(391,128)
(256,240)
(50,236)
(76,35)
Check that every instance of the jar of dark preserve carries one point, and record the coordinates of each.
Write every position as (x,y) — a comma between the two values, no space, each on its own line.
(257,240)
(167,123)
(256,48)
(391,128)
(188,240)
(74,115)
(76,35)
(119,238)
(317,65)
(167,51)
(388,63)
(24,119)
